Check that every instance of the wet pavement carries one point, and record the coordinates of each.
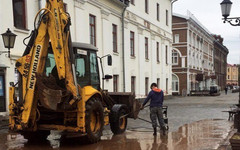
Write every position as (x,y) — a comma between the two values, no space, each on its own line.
(195,123)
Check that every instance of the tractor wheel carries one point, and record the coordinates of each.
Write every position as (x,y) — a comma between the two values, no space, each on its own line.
(118,124)
(40,135)
(94,120)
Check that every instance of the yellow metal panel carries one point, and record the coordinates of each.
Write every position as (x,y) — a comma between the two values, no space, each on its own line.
(86,92)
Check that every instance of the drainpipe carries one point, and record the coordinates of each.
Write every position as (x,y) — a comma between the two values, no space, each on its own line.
(39,4)
(123,49)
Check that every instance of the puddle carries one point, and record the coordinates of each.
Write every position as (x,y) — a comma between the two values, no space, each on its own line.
(205,134)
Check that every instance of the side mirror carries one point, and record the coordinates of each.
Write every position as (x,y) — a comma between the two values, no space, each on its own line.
(107,77)
(109,60)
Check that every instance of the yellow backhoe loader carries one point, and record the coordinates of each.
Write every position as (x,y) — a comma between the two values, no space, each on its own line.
(59,84)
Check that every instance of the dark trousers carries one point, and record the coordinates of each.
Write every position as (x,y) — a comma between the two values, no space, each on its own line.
(156,113)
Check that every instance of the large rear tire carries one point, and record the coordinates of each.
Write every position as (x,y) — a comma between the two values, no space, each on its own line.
(94,120)
(118,123)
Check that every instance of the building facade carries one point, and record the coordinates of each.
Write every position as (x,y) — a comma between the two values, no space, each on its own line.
(140,42)
(192,55)
(232,75)
(220,61)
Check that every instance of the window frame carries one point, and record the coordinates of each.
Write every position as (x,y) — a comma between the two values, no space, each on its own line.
(175,84)
(115,83)
(167,17)
(94,28)
(176,38)
(23,17)
(158,12)
(133,84)
(146,6)
(166,54)
(115,39)
(158,82)
(146,85)
(173,58)
(146,49)
(132,43)
(157,51)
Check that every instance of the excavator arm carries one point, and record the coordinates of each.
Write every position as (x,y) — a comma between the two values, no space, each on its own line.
(53,28)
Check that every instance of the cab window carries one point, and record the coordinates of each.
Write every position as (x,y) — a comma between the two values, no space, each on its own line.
(94,70)
(82,71)
(50,64)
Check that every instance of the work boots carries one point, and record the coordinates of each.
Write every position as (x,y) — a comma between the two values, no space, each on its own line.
(154,131)
(164,129)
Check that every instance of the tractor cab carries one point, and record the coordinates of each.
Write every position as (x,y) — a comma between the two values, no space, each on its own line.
(86,65)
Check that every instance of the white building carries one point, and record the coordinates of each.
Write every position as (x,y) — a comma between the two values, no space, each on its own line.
(142,58)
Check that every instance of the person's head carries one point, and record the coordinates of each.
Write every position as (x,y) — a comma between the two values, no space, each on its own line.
(153,85)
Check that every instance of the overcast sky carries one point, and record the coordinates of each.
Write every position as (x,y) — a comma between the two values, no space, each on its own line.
(208,12)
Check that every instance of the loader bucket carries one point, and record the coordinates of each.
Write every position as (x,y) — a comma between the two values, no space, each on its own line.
(127,98)
(50,94)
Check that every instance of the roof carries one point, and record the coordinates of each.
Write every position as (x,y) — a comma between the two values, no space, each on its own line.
(192,18)
(85,46)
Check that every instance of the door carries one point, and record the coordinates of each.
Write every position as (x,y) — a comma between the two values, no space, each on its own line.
(2,93)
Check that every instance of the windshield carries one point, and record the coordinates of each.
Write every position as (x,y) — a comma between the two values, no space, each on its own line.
(82,69)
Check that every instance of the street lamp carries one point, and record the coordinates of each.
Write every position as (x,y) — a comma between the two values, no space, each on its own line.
(226,6)
(8,40)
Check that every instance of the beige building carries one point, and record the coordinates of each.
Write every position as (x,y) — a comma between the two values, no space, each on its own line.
(232,75)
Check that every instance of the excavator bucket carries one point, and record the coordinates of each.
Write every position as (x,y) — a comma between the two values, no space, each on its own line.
(50,94)
(127,98)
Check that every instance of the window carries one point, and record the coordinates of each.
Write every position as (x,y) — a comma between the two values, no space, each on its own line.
(175,83)
(175,58)
(166,51)
(157,52)
(176,38)
(19,14)
(146,6)
(158,83)
(228,77)
(115,83)
(92,27)
(82,68)
(133,83)
(114,33)
(158,12)
(167,17)
(146,48)
(94,71)
(132,47)
(146,86)
(133,2)
(228,70)
(166,85)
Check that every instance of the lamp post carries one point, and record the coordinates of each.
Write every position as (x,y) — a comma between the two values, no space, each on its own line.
(226,6)
(8,40)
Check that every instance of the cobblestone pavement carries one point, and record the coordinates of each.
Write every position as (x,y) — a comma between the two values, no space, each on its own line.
(195,123)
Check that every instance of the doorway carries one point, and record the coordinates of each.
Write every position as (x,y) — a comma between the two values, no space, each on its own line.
(2,92)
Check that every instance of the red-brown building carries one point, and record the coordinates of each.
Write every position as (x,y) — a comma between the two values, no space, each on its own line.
(220,61)
(192,55)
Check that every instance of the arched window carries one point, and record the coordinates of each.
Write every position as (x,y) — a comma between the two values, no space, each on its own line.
(175,83)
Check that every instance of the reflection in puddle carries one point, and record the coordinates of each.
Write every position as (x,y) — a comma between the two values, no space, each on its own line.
(206,134)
